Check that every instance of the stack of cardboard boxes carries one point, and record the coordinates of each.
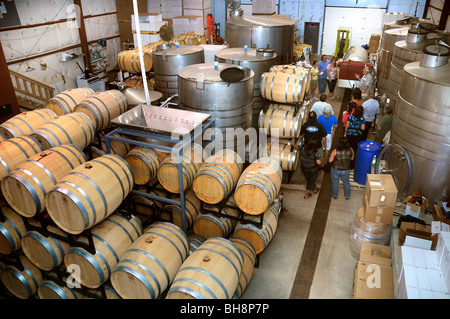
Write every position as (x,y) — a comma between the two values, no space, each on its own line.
(149,25)
(194,17)
(373,274)
(380,196)
(423,273)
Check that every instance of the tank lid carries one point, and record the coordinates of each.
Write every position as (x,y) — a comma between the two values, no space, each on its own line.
(369,146)
(209,73)
(181,50)
(434,55)
(438,75)
(239,54)
(266,52)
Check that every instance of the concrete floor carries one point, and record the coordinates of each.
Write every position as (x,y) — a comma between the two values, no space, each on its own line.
(278,263)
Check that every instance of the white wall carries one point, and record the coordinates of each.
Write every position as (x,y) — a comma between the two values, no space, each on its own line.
(30,41)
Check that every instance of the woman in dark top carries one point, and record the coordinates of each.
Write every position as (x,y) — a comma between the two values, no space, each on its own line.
(311,159)
(354,129)
(340,160)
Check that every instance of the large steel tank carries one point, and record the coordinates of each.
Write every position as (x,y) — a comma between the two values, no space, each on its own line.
(388,40)
(259,60)
(202,89)
(260,32)
(407,51)
(168,60)
(419,154)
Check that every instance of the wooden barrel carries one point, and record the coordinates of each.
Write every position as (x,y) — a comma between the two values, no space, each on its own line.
(285,154)
(210,225)
(195,241)
(258,186)
(27,185)
(73,128)
(150,264)
(89,193)
(190,163)
(370,232)
(129,61)
(26,123)
(2,137)
(249,254)
(52,290)
(211,272)
(139,84)
(45,252)
(144,163)
(280,123)
(15,151)
(102,107)
(65,102)
(112,237)
(258,236)
(217,176)
(193,38)
(192,207)
(288,68)
(115,147)
(11,231)
(22,284)
(283,87)
(278,106)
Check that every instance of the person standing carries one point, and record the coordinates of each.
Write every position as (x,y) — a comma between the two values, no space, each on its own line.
(311,129)
(314,80)
(371,109)
(384,125)
(365,82)
(354,129)
(319,106)
(329,122)
(322,67)
(350,109)
(332,76)
(303,63)
(357,96)
(340,160)
(311,159)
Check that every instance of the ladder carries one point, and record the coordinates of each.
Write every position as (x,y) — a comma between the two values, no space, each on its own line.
(211,29)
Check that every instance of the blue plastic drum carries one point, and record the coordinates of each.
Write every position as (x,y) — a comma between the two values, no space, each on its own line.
(363,162)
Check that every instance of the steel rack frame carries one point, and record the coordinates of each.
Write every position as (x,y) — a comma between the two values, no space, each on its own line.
(179,148)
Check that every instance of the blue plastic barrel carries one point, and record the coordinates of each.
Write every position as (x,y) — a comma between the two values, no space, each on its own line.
(363,162)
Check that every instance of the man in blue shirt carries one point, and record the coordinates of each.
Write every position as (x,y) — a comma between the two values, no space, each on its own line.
(371,109)
(322,67)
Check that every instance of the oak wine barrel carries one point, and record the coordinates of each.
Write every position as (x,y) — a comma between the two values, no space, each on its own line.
(112,237)
(150,264)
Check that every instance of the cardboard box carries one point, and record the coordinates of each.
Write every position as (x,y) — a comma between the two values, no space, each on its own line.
(376,254)
(366,280)
(409,225)
(439,216)
(374,43)
(380,190)
(377,214)
(413,209)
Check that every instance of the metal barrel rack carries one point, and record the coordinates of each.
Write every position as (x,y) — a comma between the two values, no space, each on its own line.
(126,131)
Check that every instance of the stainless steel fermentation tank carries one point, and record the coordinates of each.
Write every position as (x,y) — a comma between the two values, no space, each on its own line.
(388,40)
(258,60)
(419,154)
(262,32)
(202,89)
(407,51)
(168,60)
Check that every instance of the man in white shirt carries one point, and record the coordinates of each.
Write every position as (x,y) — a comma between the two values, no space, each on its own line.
(365,82)
(318,106)
(371,109)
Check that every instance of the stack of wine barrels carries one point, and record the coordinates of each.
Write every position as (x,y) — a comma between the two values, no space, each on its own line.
(65,102)
(284,86)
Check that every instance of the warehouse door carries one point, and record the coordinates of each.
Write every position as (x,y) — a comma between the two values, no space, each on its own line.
(363,22)
(312,35)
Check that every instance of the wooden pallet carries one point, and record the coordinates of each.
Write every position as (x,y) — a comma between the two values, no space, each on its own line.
(353,184)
